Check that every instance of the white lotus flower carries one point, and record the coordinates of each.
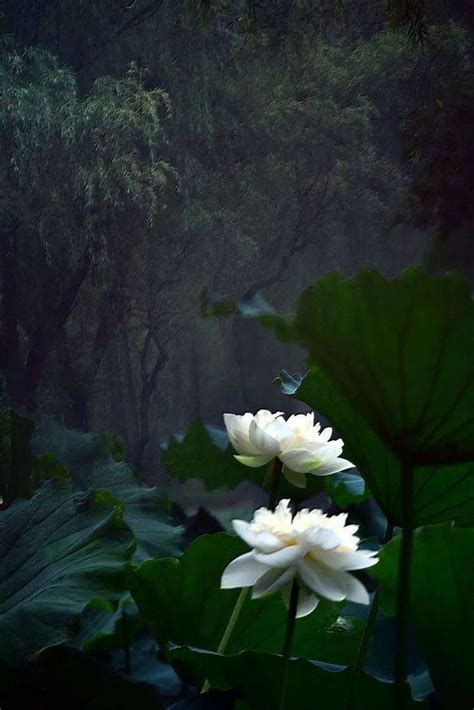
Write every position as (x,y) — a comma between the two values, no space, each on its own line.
(316,550)
(298,442)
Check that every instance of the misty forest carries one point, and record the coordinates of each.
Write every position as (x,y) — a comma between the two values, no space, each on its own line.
(236,354)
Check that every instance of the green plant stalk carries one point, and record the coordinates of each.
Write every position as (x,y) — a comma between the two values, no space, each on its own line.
(272,481)
(362,652)
(403,591)
(290,628)
(229,629)
(365,640)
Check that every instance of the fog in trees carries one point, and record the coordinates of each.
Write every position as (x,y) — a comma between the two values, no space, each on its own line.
(159,154)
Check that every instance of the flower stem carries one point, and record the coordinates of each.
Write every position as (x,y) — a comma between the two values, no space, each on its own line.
(228,629)
(365,640)
(272,481)
(362,652)
(233,620)
(403,591)
(290,628)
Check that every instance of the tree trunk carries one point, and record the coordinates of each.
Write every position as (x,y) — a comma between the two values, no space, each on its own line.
(10,355)
(129,405)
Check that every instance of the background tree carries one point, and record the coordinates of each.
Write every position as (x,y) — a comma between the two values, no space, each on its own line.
(72,168)
(304,137)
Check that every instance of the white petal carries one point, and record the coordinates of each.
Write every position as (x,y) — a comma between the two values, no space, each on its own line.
(322,538)
(345,561)
(323,581)
(355,590)
(278,429)
(282,558)
(300,460)
(296,422)
(272,581)
(265,541)
(253,461)
(330,467)
(238,431)
(310,455)
(244,571)
(264,417)
(307,601)
(263,443)
(325,434)
(295,478)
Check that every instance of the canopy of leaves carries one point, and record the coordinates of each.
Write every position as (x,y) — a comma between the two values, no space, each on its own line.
(59,550)
(111,137)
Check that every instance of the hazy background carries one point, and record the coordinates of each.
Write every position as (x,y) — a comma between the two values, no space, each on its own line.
(150,150)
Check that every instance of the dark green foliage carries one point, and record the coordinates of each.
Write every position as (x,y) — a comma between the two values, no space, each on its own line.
(302,134)
(75,171)
(106,627)
(145,509)
(172,594)
(60,673)
(255,676)
(212,700)
(388,366)
(346,489)
(59,550)
(441,605)
(205,453)
(16,476)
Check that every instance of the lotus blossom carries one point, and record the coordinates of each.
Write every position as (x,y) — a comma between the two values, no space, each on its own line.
(300,443)
(312,548)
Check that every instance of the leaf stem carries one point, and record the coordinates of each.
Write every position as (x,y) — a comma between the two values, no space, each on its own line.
(290,628)
(366,636)
(229,629)
(403,591)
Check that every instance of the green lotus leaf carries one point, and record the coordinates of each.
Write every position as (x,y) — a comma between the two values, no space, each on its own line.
(59,551)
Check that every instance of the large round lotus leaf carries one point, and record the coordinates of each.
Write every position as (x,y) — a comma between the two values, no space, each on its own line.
(391,366)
